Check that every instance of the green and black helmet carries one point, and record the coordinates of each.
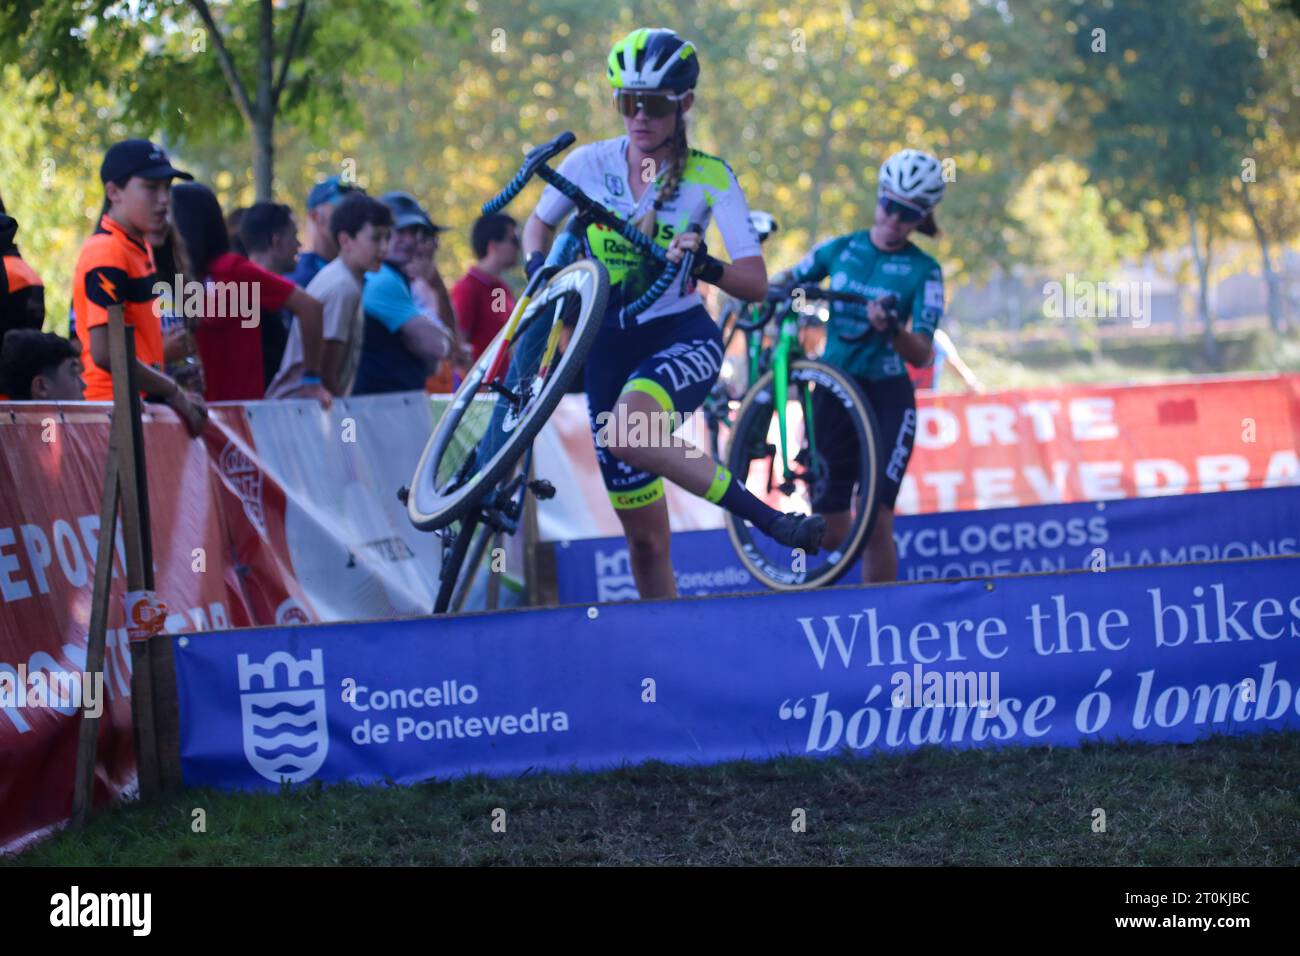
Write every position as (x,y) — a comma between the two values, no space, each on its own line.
(653,60)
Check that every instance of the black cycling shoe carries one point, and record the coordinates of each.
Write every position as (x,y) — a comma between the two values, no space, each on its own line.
(799,531)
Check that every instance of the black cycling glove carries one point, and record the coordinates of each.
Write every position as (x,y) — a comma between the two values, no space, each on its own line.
(535,262)
(706,268)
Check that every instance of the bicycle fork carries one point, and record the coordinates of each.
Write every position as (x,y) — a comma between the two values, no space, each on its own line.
(781,387)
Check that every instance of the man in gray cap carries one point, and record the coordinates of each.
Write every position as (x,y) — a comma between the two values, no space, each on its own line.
(403,342)
(321,248)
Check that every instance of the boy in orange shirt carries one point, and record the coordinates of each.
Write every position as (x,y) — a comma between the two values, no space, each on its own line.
(116,267)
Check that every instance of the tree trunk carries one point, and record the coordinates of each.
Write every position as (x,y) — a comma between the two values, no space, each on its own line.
(1203,284)
(264,106)
(1277,317)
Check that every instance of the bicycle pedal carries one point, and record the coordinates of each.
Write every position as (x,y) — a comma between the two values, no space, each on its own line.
(542,488)
(403,493)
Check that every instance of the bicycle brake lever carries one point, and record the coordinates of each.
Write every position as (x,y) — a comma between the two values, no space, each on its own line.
(887,303)
(688,261)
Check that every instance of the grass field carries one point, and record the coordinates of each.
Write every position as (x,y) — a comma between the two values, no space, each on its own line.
(1218,802)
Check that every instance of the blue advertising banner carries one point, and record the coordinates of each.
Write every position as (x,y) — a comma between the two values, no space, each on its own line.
(1144,654)
(962,544)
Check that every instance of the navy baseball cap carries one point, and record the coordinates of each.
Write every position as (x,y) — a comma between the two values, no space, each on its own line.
(137,157)
(407,211)
(329,190)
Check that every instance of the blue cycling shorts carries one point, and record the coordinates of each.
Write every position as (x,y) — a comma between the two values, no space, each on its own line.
(675,359)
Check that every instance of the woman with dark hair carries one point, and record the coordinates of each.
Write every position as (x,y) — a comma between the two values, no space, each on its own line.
(904,286)
(180,349)
(233,222)
(230,304)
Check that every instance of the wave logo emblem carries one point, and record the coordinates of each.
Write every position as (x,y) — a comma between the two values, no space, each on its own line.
(286,736)
(614,580)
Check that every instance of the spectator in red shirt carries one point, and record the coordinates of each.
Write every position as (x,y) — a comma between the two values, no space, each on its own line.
(268,236)
(237,292)
(482,300)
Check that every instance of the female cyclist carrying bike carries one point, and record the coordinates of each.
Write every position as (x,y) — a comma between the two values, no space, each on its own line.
(663,366)
(904,285)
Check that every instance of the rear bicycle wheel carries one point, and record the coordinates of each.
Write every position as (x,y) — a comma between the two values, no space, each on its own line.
(485,430)
(841,436)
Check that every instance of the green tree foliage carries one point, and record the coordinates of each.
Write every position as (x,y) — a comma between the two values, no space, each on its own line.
(49,177)
(1062,230)
(1270,173)
(804,98)
(1164,96)
(199,72)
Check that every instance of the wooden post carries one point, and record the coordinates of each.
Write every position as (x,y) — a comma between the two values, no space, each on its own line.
(542,588)
(531,590)
(138,544)
(124,483)
(83,794)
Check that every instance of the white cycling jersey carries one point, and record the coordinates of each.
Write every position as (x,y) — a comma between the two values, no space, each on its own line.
(708,190)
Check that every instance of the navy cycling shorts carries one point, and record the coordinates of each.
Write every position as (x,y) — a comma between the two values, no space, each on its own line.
(675,359)
(894,402)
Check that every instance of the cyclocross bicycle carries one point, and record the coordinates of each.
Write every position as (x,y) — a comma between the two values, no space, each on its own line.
(746,319)
(774,446)
(469,483)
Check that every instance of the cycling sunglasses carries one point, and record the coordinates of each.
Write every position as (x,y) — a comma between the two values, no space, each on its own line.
(656,105)
(902,210)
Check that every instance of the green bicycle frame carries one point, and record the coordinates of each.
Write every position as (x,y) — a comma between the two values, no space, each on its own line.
(787,350)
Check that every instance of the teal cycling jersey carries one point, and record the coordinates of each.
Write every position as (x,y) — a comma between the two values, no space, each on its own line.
(854,264)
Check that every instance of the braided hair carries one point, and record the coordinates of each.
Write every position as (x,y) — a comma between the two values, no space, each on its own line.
(672,178)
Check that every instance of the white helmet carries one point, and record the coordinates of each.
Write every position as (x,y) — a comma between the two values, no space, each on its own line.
(914,177)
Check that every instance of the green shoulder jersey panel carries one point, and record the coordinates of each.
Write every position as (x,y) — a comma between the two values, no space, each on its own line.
(854,264)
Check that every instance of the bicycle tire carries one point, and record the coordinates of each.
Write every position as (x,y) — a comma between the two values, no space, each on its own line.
(431,508)
(756,410)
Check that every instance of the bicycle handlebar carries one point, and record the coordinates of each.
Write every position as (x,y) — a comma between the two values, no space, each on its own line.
(779,295)
(535,165)
(532,162)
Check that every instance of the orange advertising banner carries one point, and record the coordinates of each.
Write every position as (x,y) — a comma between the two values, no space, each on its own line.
(1093,443)
(241,536)
(52,471)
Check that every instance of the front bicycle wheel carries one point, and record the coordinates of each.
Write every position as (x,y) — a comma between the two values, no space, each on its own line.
(831,455)
(488,426)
